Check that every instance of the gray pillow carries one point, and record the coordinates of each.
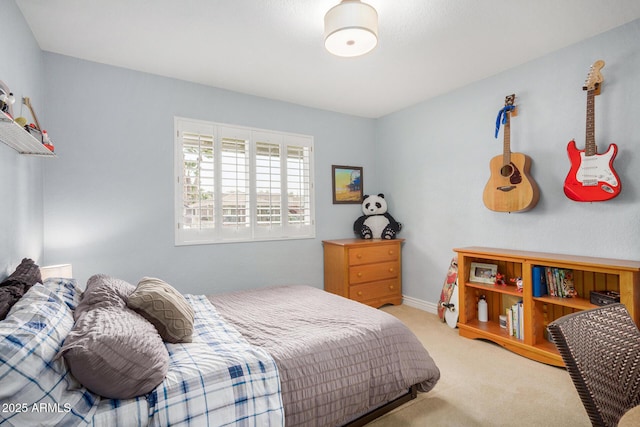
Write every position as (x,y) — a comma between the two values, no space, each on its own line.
(14,287)
(115,352)
(104,291)
(165,307)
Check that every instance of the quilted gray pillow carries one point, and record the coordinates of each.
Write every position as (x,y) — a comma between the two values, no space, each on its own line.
(104,291)
(165,307)
(115,352)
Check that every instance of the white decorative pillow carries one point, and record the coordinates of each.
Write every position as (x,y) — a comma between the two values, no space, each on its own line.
(165,307)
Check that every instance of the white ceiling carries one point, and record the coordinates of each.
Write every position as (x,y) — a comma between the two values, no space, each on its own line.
(274,48)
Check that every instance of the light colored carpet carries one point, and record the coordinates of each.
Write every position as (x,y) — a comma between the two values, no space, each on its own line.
(482,384)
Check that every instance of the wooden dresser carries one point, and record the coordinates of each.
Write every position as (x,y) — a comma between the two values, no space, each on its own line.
(368,271)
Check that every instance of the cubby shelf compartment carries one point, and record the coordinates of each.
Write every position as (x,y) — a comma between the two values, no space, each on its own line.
(590,274)
(19,139)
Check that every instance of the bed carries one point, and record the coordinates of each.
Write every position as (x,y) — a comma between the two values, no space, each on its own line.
(338,359)
(291,355)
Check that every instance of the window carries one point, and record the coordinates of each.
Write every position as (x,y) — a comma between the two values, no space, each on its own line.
(240,184)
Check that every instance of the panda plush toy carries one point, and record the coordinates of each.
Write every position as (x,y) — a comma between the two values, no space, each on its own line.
(376,223)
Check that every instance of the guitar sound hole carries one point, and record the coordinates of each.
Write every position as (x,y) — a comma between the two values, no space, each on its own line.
(506,170)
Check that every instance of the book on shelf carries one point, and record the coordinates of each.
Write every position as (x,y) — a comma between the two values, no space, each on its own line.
(559,282)
(539,281)
(550,281)
(520,320)
(568,286)
(515,320)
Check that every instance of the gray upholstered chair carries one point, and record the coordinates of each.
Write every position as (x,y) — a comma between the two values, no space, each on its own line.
(601,351)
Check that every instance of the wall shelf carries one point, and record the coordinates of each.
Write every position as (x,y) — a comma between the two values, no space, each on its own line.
(20,140)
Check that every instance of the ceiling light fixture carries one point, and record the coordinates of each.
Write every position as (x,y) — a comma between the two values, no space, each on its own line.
(351,28)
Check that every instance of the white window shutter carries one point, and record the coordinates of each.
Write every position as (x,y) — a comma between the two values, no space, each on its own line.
(240,184)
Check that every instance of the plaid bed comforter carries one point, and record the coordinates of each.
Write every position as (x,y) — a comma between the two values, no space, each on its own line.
(217,380)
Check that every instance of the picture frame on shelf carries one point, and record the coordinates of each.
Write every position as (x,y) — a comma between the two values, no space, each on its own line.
(347,184)
(483,273)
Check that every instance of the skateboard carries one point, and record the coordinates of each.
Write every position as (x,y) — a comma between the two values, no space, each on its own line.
(451,313)
(450,285)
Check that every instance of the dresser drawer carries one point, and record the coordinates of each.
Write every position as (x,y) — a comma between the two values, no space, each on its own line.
(373,272)
(375,290)
(368,271)
(373,254)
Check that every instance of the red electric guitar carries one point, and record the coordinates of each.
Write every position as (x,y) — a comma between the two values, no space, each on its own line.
(592,177)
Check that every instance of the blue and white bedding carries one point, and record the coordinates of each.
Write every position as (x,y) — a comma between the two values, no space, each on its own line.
(219,379)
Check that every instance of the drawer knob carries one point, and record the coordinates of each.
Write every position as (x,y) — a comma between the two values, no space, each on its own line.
(390,251)
(390,269)
(359,255)
(359,273)
(391,287)
(359,293)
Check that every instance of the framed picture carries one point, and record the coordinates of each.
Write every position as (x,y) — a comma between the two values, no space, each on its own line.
(483,273)
(347,184)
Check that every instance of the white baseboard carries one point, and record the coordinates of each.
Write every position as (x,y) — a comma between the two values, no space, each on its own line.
(427,306)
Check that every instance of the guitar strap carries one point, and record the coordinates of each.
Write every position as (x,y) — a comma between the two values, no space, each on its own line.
(502,116)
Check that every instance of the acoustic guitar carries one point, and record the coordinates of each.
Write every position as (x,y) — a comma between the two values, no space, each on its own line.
(592,177)
(510,187)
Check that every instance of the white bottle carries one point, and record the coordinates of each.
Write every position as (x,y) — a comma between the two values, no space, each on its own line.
(483,311)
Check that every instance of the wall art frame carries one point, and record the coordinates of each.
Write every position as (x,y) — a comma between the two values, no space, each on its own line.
(347,184)
(483,273)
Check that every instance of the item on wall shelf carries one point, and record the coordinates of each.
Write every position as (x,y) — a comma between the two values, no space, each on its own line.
(26,101)
(592,177)
(510,187)
(377,222)
(347,184)
(21,121)
(35,128)
(16,133)
(46,141)
(6,100)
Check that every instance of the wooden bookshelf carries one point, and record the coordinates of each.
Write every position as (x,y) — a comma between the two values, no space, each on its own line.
(589,274)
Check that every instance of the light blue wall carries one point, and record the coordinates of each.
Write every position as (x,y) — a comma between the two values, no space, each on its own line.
(109,194)
(434,158)
(21,68)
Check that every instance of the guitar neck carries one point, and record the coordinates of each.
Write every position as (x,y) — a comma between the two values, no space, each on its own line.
(506,153)
(590,148)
